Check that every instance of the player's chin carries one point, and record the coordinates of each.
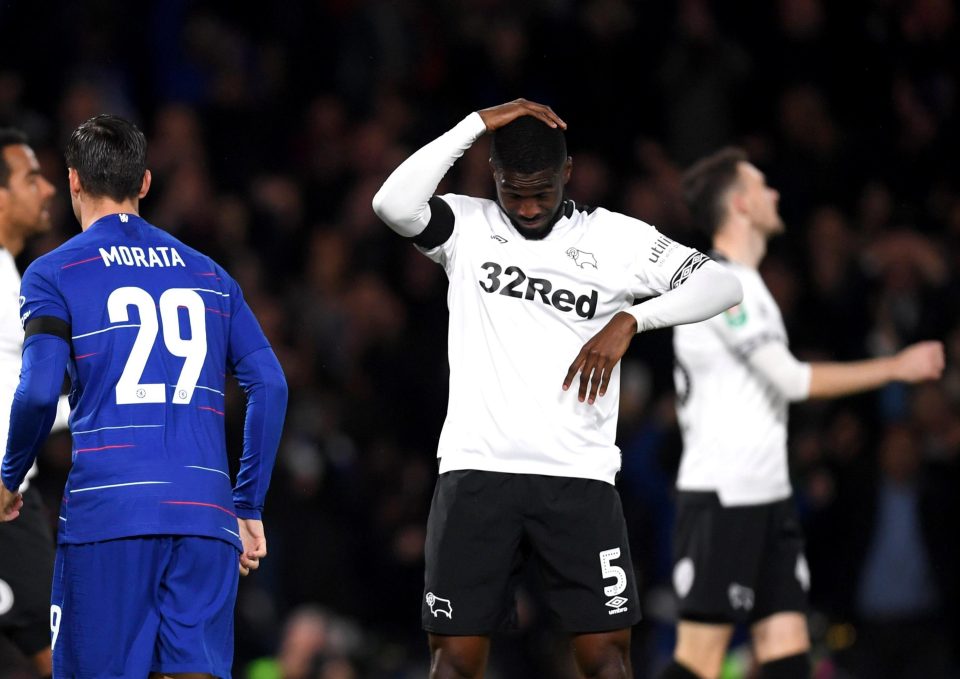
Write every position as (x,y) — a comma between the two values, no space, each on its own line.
(535,230)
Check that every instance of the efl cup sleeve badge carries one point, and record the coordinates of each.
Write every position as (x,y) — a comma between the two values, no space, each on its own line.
(735,316)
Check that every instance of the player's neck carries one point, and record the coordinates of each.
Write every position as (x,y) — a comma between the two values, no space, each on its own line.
(743,246)
(92,209)
(10,241)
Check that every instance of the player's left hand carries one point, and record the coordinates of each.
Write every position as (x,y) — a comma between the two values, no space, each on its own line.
(600,355)
(10,504)
(254,545)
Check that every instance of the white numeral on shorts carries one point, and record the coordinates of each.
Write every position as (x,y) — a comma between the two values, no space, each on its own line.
(609,571)
(55,615)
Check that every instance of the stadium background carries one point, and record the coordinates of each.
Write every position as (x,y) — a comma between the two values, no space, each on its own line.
(270,127)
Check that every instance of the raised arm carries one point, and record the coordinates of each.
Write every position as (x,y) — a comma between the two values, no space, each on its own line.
(798,381)
(403,202)
(917,363)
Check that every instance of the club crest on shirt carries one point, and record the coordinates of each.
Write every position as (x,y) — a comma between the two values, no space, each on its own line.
(438,605)
(582,259)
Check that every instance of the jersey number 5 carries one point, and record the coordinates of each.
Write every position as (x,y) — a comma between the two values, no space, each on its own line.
(194,350)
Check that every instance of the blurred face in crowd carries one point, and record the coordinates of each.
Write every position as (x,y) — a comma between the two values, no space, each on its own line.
(25,200)
(758,201)
(532,201)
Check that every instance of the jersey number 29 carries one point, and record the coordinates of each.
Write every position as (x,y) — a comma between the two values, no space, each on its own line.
(194,350)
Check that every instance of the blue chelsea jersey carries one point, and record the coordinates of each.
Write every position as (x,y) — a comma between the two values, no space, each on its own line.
(155,328)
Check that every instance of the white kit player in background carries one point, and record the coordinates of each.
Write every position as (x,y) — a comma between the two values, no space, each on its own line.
(738,549)
(535,282)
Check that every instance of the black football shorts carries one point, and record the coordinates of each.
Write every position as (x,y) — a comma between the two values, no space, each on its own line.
(485,526)
(27,553)
(737,564)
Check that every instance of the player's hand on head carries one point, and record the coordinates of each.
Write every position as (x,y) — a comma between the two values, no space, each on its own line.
(496,117)
(599,356)
(10,504)
(254,545)
(920,362)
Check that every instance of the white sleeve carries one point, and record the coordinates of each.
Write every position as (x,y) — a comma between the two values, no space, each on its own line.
(781,369)
(63,412)
(402,201)
(706,292)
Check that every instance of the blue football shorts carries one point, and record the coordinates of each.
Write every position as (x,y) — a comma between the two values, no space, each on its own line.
(128,607)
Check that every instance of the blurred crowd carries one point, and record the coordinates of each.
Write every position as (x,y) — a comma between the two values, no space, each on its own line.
(271,126)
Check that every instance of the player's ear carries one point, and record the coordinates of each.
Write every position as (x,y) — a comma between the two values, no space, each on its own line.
(73,178)
(145,185)
(567,169)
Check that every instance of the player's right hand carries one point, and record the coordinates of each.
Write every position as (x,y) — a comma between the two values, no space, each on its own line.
(920,362)
(496,117)
(10,504)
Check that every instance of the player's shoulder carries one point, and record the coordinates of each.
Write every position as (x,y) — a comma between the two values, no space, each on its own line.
(58,258)
(465,205)
(615,223)
(749,278)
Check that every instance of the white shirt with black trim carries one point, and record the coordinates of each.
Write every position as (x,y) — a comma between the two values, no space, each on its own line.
(733,420)
(520,311)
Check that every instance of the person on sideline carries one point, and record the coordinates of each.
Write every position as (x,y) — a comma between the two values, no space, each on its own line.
(539,286)
(148,328)
(738,548)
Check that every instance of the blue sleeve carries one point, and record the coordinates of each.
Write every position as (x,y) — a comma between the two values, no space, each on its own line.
(246,336)
(261,377)
(34,404)
(39,295)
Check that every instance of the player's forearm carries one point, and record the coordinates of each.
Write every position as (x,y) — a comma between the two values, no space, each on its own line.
(34,405)
(829,380)
(262,379)
(402,201)
(708,291)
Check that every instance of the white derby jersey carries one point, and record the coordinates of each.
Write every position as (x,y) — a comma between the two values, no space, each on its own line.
(520,311)
(733,422)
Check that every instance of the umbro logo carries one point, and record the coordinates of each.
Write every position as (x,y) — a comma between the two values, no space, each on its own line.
(499,239)
(617,604)
(124,218)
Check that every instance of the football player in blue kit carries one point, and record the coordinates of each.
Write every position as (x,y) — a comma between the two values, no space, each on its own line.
(150,525)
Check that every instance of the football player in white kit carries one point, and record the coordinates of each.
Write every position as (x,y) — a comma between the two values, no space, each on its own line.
(538,286)
(26,546)
(738,549)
